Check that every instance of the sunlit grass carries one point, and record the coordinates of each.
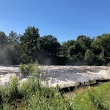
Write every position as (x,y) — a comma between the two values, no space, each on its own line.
(92,98)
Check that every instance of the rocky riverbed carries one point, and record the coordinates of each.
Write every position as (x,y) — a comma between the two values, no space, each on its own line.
(64,76)
(69,75)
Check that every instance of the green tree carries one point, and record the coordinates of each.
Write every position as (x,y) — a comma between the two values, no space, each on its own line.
(3,39)
(65,51)
(3,42)
(84,41)
(48,45)
(13,47)
(81,45)
(89,57)
(101,47)
(75,50)
(13,38)
(28,44)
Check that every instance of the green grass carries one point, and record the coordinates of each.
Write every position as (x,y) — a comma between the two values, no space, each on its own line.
(92,98)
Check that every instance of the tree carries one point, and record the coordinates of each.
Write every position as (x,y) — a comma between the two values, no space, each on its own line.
(48,45)
(84,41)
(101,47)
(13,47)
(75,50)
(13,38)
(3,42)
(89,57)
(28,44)
(65,48)
(3,39)
(81,45)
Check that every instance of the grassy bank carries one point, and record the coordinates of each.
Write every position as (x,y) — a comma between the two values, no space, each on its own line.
(29,95)
(92,98)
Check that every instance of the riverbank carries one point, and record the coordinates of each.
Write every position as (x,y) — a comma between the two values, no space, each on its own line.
(26,93)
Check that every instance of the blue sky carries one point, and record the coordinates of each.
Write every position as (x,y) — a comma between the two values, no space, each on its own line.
(65,19)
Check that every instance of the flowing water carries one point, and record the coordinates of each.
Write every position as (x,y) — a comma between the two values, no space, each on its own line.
(69,75)
(62,75)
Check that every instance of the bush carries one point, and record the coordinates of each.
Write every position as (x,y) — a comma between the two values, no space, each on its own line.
(27,87)
(25,69)
(29,69)
(48,100)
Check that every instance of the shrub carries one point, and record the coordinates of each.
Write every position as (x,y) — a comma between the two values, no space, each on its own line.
(25,69)
(30,69)
(27,87)
(47,100)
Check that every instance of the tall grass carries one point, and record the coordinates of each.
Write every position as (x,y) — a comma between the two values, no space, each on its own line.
(93,98)
(9,94)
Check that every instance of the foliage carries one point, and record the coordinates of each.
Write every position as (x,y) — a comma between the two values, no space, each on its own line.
(25,69)
(2,38)
(65,47)
(29,69)
(32,96)
(96,98)
(30,46)
(89,56)
(101,47)
(48,45)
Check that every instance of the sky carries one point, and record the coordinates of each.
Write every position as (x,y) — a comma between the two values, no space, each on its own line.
(64,19)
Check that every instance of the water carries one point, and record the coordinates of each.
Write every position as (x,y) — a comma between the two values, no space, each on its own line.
(62,75)
(69,75)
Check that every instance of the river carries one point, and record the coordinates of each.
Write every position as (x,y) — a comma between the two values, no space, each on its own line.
(62,75)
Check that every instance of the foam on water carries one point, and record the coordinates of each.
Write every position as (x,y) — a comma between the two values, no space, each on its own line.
(64,76)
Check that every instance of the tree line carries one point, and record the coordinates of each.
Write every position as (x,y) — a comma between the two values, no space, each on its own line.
(30,46)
